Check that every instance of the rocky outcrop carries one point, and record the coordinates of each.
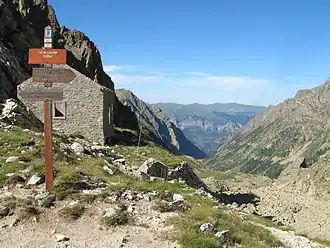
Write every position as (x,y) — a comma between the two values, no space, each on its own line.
(14,112)
(154,168)
(187,174)
(156,126)
(21,27)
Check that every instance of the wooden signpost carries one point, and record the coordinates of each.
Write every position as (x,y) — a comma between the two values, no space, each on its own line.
(52,75)
(48,75)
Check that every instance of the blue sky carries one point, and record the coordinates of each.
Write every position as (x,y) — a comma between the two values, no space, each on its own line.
(186,51)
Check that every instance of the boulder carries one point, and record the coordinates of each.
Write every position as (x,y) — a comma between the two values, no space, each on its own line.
(154,168)
(15,113)
(223,234)
(186,173)
(35,180)
(77,148)
(207,227)
(177,197)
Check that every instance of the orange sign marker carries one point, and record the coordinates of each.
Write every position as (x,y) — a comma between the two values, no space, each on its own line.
(47,56)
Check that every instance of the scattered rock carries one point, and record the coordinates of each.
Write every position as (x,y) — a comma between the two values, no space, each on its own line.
(120,161)
(168,194)
(74,203)
(176,205)
(77,148)
(223,234)
(11,159)
(109,212)
(61,238)
(177,197)
(107,169)
(186,174)
(15,222)
(4,211)
(35,180)
(125,239)
(155,168)
(207,227)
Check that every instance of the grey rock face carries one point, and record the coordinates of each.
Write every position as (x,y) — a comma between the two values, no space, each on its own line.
(160,128)
(154,168)
(21,26)
(15,113)
(186,173)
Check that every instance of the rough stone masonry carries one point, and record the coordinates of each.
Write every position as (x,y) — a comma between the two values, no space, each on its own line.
(87,107)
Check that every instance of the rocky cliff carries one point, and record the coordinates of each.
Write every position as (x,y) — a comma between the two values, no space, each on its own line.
(21,27)
(208,125)
(292,136)
(155,123)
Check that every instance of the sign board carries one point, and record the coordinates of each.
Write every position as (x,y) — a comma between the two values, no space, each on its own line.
(42,94)
(52,75)
(47,56)
(48,32)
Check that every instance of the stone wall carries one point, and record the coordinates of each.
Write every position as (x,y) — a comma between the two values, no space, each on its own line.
(85,107)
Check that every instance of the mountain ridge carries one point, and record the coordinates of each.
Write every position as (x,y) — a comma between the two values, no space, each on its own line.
(292,133)
(207,125)
(154,120)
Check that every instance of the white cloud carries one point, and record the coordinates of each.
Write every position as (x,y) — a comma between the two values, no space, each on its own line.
(123,68)
(111,68)
(124,79)
(224,82)
(195,73)
(205,82)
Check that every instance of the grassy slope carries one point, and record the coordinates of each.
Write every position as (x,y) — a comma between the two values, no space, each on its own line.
(68,171)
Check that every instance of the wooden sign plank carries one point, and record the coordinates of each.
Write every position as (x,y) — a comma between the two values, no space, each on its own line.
(42,94)
(52,75)
(47,56)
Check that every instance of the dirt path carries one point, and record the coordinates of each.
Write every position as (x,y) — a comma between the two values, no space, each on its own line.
(148,231)
(290,239)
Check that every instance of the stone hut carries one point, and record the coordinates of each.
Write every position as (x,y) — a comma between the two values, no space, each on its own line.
(86,108)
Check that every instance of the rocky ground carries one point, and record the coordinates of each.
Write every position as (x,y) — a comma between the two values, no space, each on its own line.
(120,197)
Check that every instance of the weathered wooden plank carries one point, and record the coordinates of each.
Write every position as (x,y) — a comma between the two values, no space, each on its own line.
(52,75)
(42,94)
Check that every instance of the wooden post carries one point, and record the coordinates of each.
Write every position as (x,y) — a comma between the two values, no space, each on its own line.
(47,56)
(48,152)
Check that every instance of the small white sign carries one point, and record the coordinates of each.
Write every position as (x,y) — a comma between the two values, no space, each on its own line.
(48,45)
(48,40)
(48,33)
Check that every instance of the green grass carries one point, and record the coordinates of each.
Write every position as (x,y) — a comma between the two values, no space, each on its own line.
(269,223)
(241,232)
(72,212)
(137,155)
(120,218)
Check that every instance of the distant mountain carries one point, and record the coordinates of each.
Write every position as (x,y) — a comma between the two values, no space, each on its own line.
(285,139)
(208,125)
(156,124)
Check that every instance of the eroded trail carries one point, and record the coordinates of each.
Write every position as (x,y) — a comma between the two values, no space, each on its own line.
(290,239)
(148,230)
